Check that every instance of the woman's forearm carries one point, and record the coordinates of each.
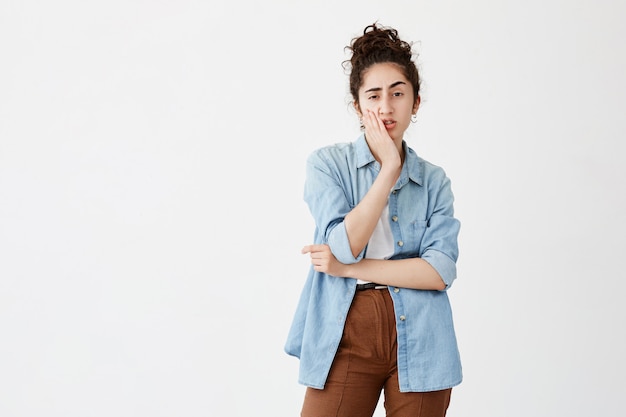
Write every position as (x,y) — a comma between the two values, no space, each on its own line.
(413,273)
(361,221)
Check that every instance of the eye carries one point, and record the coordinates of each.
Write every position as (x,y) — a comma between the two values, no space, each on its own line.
(398,94)
(372,97)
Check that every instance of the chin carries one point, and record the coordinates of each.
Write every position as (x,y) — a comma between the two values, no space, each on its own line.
(397,138)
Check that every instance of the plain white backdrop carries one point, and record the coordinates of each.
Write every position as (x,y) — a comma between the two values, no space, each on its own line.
(151,216)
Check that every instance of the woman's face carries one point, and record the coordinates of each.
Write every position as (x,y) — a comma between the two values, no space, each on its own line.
(386,91)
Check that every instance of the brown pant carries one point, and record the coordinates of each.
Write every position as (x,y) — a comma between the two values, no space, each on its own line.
(366,364)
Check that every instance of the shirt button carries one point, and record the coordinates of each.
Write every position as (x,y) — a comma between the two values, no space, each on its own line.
(396,290)
(402,318)
(394,218)
(400,243)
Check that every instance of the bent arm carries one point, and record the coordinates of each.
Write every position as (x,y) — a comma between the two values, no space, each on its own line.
(343,222)
(414,273)
(361,221)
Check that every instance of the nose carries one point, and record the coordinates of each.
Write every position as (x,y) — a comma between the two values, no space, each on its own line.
(385,106)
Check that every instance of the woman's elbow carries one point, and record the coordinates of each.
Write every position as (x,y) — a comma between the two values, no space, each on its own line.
(440,285)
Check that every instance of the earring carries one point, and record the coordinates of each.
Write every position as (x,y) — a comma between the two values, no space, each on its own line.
(413,118)
(361,123)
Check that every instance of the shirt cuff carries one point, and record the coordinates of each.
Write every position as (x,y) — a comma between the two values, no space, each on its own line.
(340,245)
(443,264)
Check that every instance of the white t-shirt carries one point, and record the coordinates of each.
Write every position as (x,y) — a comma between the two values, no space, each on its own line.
(380,245)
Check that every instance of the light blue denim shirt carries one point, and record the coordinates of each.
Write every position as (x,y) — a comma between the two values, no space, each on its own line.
(423,225)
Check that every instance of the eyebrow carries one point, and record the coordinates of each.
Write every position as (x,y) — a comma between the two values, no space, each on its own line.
(397,83)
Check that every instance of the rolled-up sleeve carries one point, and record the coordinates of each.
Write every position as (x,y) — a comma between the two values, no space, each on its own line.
(329,200)
(439,245)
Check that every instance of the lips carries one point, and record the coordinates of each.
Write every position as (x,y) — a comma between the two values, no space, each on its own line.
(389,124)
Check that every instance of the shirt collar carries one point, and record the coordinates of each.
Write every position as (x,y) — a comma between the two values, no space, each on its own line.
(413,165)
(363,154)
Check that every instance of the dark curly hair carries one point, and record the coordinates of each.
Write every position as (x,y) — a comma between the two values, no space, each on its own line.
(377,45)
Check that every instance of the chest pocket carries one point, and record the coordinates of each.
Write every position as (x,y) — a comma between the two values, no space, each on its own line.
(413,238)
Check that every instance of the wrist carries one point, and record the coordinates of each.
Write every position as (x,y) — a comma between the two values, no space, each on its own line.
(390,172)
(349,270)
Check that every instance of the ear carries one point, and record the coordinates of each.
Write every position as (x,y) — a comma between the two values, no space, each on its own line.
(416,105)
(357,108)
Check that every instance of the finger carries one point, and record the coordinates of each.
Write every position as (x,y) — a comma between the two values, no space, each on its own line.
(317,256)
(316,262)
(374,119)
(369,120)
(374,126)
(312,248)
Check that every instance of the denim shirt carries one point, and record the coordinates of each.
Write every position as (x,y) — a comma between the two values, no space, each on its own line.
(423,225)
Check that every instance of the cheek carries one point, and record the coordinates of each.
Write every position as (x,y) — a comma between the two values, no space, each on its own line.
(364,105)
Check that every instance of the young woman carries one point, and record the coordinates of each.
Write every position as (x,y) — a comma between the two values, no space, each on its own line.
(374,313)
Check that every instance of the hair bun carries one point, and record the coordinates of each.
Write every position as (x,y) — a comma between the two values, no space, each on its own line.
(376,38)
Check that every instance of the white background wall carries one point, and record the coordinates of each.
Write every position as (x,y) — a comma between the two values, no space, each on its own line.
(151,216)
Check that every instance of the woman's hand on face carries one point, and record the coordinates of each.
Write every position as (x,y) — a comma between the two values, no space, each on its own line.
(379,141)
(323,259)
